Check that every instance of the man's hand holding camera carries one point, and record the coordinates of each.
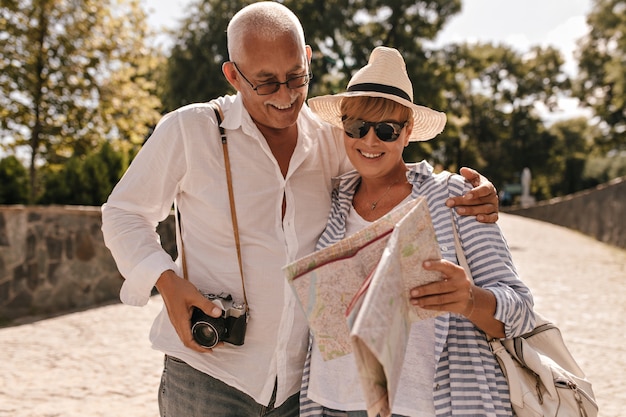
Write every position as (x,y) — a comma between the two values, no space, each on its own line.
(180,297)
(209,331)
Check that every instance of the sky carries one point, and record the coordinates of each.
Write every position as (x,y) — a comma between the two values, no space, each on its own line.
(517,23)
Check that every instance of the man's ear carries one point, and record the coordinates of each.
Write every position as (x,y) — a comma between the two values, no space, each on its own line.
(230,72)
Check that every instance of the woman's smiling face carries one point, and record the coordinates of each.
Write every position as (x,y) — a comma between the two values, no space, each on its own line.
(372,157)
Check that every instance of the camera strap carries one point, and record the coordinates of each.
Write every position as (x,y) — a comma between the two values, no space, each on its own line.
(220,116)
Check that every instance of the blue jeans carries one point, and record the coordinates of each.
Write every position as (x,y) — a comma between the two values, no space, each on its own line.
(187,392)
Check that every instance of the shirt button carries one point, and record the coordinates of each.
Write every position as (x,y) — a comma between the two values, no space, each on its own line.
(437,386)
(444,248)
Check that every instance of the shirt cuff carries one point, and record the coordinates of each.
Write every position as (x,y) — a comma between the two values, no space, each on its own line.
(137,288)
(508,311)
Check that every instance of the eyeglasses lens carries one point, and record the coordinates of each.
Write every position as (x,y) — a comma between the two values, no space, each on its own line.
(385,131)
(292,83)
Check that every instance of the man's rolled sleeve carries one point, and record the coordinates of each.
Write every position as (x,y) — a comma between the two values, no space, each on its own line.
(137,287)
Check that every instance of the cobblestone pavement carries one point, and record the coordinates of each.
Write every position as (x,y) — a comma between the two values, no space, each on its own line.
(99,362)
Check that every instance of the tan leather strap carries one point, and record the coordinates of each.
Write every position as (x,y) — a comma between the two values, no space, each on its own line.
(220,116)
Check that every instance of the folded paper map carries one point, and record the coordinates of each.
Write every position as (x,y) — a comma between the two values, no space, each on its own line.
(355,295)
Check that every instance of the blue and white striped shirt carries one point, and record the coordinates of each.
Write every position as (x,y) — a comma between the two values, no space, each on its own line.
(468,380)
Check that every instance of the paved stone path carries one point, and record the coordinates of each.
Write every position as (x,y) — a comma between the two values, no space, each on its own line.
(99,362)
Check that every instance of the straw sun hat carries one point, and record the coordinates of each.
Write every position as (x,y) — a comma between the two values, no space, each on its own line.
(384,76)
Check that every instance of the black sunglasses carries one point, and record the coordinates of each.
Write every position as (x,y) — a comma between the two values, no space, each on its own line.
(385,131)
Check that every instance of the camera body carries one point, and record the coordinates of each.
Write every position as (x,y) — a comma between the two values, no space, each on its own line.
(208,331)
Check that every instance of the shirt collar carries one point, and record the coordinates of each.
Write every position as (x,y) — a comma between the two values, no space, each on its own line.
(238,117)
(234,117)
(417,173)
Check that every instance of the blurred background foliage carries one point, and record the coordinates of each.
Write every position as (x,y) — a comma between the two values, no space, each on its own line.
(82,85)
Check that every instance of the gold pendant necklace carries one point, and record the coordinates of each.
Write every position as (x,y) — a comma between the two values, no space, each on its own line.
(375,203)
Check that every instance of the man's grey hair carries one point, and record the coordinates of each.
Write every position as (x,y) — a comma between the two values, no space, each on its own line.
(266,19)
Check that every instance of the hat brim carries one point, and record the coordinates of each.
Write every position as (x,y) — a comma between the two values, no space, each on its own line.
(427,123)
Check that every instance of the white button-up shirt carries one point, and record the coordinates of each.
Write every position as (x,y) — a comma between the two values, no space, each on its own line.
(183,160)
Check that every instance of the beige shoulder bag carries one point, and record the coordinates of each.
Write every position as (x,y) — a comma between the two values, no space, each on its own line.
(543,376)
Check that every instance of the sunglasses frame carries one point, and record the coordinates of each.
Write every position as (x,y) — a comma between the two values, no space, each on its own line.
(365,126)
(269,88)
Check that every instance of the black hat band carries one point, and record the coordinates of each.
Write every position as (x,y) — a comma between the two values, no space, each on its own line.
(380,88)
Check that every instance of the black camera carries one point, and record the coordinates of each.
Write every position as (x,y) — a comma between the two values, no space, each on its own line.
(230,327)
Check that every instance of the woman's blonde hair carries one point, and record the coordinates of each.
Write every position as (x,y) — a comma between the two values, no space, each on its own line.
(373,109)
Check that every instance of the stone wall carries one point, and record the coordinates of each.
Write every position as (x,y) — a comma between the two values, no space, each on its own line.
(598,212)
(53,260)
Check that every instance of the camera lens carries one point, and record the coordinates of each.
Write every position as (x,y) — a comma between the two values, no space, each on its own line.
(205,334)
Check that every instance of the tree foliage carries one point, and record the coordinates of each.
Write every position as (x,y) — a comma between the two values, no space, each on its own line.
(341,33)
(13,181)
(79,73)
(602,78)
(489,92)
(72,74)
(194,67)
(573,142)
(85,179)
(493,125)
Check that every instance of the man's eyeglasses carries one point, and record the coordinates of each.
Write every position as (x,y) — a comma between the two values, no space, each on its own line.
(266,89)
(385,131)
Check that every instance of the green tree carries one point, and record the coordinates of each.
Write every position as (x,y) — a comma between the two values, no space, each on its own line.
(13,181)
(491,92)
(194,67)
(341,33)
(572,148)
(84,179)
(72,74)
(602,79)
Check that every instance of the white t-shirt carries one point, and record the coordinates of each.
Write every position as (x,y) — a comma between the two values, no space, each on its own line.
(335,383)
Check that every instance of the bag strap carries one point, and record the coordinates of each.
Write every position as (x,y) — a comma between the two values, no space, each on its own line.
(460,254)
(496,346)
(220,116)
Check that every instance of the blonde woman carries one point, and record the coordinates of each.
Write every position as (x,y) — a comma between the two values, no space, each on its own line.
(448,367)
